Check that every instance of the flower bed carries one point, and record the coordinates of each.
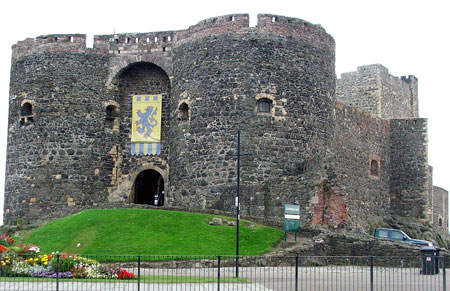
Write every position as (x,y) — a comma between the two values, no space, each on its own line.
(22,260)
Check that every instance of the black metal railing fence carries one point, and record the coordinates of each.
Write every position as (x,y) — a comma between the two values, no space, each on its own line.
(72,272)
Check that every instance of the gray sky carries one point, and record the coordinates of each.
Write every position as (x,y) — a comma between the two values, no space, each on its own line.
(407,37)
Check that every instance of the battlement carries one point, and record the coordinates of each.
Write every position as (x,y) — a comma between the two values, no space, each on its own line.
(379,92)
(293,27)
(48,43)
(134,43)
(150,42)
(367,71)
(226,24)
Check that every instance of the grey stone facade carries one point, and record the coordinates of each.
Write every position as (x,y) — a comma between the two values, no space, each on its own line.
(440,209)
(70,125)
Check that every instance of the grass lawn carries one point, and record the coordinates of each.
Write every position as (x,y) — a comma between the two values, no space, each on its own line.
(149,232)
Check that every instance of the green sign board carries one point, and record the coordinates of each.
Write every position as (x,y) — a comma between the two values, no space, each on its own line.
(291,219)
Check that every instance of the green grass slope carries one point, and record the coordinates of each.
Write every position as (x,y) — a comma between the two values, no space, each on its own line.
(149,232)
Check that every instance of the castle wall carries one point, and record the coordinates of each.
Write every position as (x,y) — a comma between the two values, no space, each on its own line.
(221,78)
(409,171)
(360,139)
(53,155)
(344,166)
(372,89)
(68,156)
(440,210)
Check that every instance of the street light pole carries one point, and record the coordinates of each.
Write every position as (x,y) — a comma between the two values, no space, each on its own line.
(238,202)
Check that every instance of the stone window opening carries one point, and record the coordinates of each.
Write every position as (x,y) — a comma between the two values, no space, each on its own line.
(156,39)
(274,19)
(169,39)
(183,111)
(374,168)
(440,221)
(232,18)
(26,113)
(137,40)
(111,116)
(264,106)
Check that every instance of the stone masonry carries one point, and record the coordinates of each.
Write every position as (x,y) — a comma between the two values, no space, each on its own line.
(348,151)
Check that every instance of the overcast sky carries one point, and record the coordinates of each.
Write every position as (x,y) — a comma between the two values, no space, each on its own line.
(407,37)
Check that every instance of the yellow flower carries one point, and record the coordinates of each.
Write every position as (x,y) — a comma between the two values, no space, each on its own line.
(45,263)
(3,263)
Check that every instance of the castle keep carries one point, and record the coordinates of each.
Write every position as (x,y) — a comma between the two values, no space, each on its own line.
(348,151)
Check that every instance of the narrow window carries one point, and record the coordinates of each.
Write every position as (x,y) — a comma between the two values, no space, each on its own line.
(440,221)
(264,105)
(183,111)
(148,39)
(111,113)
(232,18)
(137,39)
(26,114)
(274,19)
(156,39)
(26,110)
(71,39)
(169,38)
(374,168)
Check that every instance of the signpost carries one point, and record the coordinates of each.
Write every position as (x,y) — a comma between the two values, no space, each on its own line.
(291,219)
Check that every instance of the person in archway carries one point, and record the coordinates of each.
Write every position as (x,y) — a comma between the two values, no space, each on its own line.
(161,199)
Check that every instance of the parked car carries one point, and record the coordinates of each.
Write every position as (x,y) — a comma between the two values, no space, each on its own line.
(398,235)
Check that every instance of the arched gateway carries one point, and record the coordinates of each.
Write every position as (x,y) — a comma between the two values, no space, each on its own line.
(149,188)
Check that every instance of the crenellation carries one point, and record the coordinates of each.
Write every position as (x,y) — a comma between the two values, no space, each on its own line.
(134,43)
(374,90)
(49,43)
(293,27)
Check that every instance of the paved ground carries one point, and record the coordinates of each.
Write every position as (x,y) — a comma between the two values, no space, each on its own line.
(330,278)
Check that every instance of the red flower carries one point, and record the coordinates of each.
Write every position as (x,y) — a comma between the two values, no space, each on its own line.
(124,275)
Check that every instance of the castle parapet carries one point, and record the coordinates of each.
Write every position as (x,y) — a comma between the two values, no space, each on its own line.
(49,43)
(233,23)
(293,27)
(150,42)
(135,43)
(379,92)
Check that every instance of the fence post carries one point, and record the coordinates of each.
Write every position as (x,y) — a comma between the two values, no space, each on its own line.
(443,273)
(296,272)
(218,273)
(139,273)
(57,272)
(371,272)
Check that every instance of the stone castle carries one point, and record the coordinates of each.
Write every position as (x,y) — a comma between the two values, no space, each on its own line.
(348,151)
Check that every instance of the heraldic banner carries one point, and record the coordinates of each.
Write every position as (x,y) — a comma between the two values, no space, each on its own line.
(146,125)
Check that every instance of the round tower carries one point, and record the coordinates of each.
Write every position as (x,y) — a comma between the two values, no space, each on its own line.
(275,83)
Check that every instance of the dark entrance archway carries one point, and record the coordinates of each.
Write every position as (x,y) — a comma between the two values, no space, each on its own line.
(149,188)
